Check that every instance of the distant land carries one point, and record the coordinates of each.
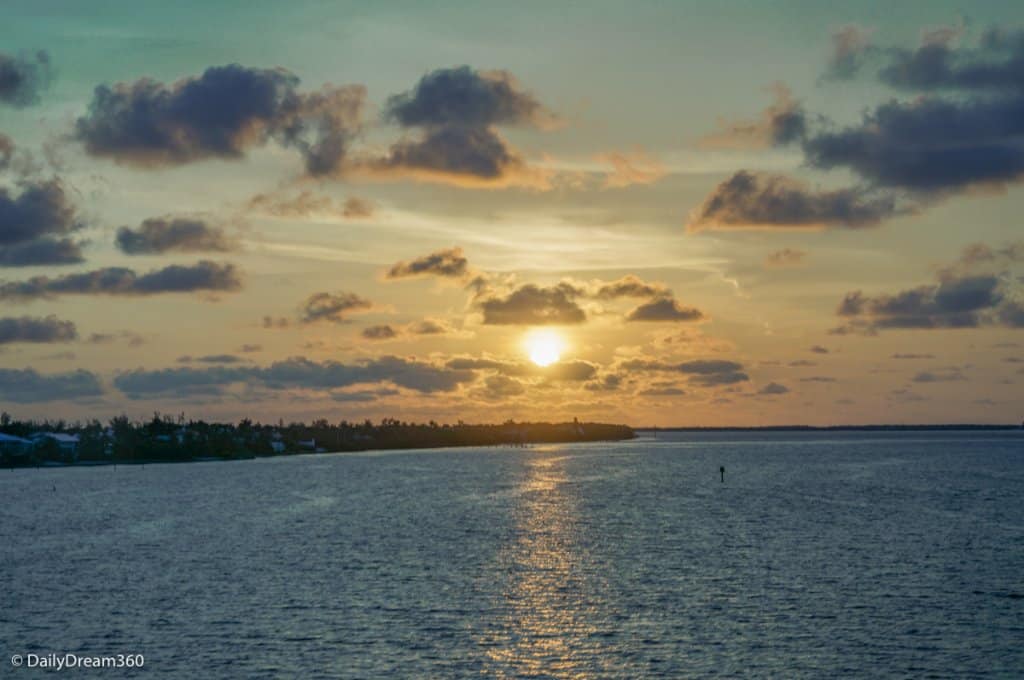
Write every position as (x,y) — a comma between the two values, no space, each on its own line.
(169,439)
(835,428)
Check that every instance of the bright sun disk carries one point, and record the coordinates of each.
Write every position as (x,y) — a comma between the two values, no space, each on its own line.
(544,347)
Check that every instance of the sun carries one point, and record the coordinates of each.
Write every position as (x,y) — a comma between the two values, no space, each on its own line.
(544,347)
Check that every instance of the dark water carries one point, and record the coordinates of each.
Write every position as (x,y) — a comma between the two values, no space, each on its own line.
(863,555)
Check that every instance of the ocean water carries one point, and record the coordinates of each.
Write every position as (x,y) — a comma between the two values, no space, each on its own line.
(822,555)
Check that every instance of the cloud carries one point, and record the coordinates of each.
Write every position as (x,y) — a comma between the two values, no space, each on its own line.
(664,309)
(801,363)
(249,348)
(6,151)
(773,388)
(448,263)
(706,372)
(533,305)
(951,375)
(332,307)
(41,252)
(211,359)
(133,339)
(662,392)
(294,373)
(24,77)
(499,387)
(466,97)
(996,63)
(381,332)
(363,396)
(204,276)
(819,349)
(430,327)
(850,46)
(457,110)
(572,370)
(818,379)
(28,386)
(781,123)
(750,200)
(173,234)
(629,286)
(356,207)
(787,257)
(222,113)
(629,168)
(31,329)
(961,130)
(309,204)
(968,301)
(34,226)
(912,356)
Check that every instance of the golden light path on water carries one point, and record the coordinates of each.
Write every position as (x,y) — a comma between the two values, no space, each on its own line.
(546,627)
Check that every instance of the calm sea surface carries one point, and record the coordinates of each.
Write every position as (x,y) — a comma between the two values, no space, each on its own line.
(822,555)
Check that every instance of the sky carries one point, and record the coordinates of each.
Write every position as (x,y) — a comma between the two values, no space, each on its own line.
(694,214)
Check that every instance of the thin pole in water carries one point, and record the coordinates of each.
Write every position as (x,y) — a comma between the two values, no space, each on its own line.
(721,470)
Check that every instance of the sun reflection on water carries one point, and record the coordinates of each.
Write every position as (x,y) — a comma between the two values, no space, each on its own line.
(545,624)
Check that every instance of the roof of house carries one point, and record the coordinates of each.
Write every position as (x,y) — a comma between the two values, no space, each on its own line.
(10,439)
(58,436)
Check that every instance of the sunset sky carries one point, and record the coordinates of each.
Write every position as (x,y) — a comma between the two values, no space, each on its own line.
(695,213)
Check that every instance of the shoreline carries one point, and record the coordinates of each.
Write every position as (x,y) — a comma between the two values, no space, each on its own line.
(230,459)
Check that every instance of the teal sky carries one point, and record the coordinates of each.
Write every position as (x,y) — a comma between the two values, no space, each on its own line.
(611,172)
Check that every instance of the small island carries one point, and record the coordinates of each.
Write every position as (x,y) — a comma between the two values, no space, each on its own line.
(170,439)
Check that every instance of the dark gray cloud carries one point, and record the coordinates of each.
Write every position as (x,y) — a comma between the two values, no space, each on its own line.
(818,349)
(968,301)
(36,329)
(173,234)
(706,372)
(447,263)
(784,122)
(28,386)
(996,63)
(929,146)
(34,226)
(429,327)
(818,379)
(220,114)
(332,307)
(749,200)
(664,309)
(948,375)
(498,387)
(533,305)
(362,396)
(204,276)
(381,332)
(41,252)
(24,77)
(294,373)
(912,356)
(476,152)
(961,129)
(6,151)
(773,388)
(457,109)
(630,286)
(466,97)
(211,359)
